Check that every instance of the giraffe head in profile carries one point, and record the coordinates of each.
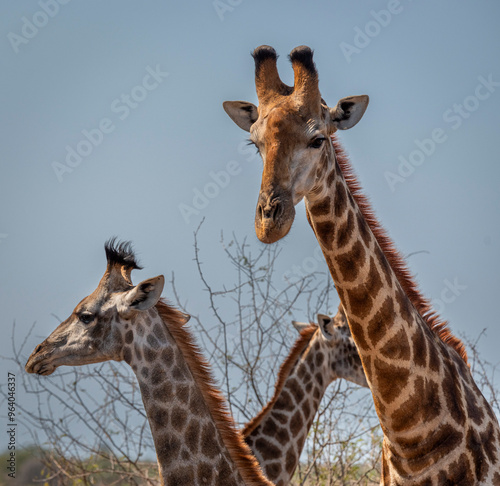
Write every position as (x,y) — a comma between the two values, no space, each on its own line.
(335,343)
(97,328)
(291,129)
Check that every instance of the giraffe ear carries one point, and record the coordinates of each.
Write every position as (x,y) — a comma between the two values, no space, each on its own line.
(300,326)
(348,112)
(324,322)
(146,294)
(244,114)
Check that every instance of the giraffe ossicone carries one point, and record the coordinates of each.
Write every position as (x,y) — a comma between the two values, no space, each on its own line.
(438,427)
(195,438)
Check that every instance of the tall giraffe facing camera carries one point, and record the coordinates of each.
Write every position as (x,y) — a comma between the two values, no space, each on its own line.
(438,427)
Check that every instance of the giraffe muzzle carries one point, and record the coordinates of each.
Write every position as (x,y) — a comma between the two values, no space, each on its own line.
(273,217)
(46,357)
(40,362)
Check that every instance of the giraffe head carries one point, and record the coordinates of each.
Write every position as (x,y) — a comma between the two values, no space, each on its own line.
(95,330)
(291,129)
(334,337)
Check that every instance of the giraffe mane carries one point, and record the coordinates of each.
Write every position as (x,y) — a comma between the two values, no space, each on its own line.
(240,453)
(395,259)
(300,345)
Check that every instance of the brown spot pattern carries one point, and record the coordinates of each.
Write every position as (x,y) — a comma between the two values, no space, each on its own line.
(345,231)
(296,423)
(453,396)
(209,443)
(361,297)
(204,473)
(192,436)
(322,208)
(363,229)
(284,402)
(397,347)
(183,476)
(267,449)
(295,390)
(381,322)
(178,418)
(290,460)
(458,473)
(419,344)
(324,231)
(348,262)
(129,336)
(330,178)
(422,406)
(340,199)
(390,379)
(273,470)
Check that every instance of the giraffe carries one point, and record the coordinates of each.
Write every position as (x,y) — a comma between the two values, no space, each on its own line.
(195,438)
(438,428)
(323,353)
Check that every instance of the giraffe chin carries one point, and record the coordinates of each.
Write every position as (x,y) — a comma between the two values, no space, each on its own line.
(269,232)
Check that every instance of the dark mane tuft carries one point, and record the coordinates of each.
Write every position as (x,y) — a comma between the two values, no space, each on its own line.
(120,253)
(395,259)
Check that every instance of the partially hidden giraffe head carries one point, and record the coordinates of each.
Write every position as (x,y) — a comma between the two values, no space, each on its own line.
(291,129)
(95,330)
(341,353)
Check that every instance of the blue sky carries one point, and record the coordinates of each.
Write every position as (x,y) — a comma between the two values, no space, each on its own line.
(145,82)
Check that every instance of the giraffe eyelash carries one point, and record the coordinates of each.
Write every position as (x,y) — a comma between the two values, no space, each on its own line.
(251,142)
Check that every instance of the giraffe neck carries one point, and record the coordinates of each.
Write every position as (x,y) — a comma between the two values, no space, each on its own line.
(380,315)
(421,386)
(195,441)
(277,434)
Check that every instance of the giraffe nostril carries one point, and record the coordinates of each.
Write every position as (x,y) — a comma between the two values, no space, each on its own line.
(269,210)
(38,348)
(265,211)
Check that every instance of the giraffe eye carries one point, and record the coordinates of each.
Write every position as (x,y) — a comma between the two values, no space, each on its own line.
(86,317)
(317,142)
